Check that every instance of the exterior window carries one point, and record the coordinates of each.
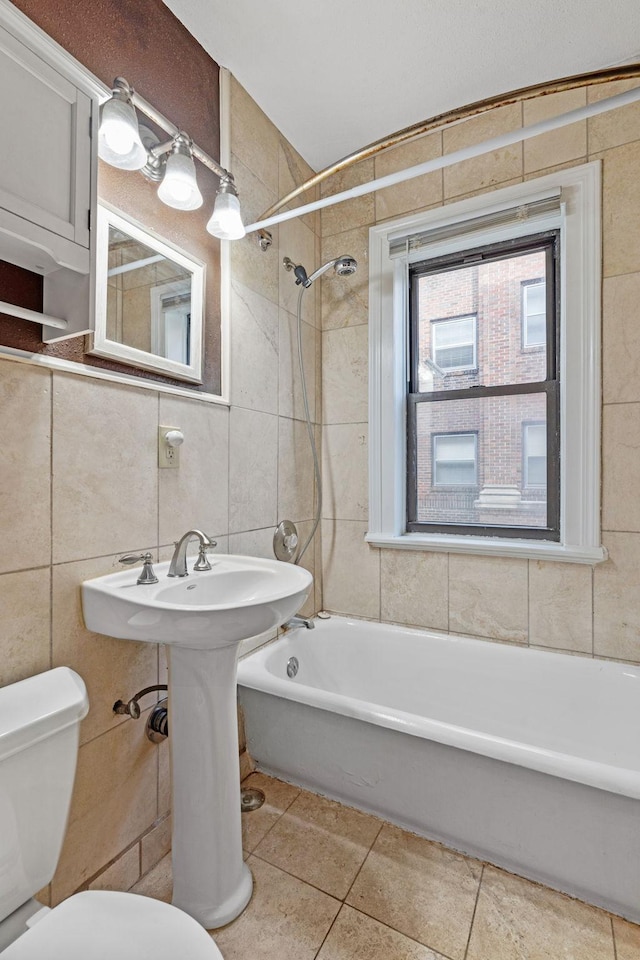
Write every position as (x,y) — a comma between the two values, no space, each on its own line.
(534,310)
(494,398)
(534,445)
(484,386)
(454,459)
(454,343)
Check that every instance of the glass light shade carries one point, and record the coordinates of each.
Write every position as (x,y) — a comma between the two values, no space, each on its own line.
(119,142)
(179,188)
(226,222)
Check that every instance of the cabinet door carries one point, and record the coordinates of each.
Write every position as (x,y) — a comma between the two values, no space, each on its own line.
(45,175)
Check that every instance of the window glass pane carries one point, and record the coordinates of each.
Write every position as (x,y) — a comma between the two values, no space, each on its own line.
(537,472)
(454,343)
(535,452)
(450,333)
(535,334)
(455,459)
(448,358)
(535,313)
(491,475)
(535,294)
(489,295)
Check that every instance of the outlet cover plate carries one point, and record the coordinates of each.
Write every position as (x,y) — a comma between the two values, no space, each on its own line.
(168,456)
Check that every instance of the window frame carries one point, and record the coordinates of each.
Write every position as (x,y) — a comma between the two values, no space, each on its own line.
(549,242)
(579,219)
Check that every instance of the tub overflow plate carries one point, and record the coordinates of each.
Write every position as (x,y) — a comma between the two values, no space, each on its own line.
(292,666)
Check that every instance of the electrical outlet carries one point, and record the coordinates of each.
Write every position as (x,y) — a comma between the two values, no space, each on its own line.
(169,449)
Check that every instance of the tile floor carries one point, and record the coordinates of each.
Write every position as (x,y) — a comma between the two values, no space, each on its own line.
(335,884)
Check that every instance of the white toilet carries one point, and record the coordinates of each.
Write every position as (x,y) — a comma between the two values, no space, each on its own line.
(39,728)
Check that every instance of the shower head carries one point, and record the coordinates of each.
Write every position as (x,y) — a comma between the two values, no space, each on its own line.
(344,266)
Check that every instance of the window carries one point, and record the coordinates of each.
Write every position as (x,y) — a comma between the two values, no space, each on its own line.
(454,343)
(454,459)
(534,310)
(531,487)
(495,398)
(534,454)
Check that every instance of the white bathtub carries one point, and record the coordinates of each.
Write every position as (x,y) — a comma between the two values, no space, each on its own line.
(528,759)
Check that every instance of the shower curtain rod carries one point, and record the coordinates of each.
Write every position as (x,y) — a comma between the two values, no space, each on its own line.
(625,72)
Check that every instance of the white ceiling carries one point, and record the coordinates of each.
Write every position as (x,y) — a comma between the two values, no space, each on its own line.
(334,75)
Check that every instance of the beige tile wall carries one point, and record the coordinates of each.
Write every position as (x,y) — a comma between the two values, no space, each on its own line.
(80,487)
(554,605)
(81,484)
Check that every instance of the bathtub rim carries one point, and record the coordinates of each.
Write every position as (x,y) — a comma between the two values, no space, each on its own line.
(253,673)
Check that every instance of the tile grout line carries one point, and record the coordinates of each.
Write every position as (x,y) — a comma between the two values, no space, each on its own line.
(473,916)
(370,916)
(613,938)
(331,926)
(277,820)
(359,870)
(341,900)
(293,876)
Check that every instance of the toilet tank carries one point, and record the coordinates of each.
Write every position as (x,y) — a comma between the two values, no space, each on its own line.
(39,729)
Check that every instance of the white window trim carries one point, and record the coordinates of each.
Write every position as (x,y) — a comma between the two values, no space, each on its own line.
(580,275)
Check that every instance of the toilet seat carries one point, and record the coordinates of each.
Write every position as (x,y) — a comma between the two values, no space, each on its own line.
(103,925)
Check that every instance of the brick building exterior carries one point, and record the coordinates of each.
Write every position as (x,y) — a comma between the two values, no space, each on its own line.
(482,460)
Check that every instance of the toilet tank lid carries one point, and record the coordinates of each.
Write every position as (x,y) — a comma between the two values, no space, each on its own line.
(38,707)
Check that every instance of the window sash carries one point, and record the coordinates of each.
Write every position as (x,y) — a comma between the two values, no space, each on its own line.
(550,386)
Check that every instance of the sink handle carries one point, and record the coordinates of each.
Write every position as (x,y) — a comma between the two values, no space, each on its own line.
(202,563)
(147,574)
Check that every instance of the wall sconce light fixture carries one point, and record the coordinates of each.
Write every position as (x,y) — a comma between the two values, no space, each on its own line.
(122,143)
(178,187)
(226,221)
(119,140)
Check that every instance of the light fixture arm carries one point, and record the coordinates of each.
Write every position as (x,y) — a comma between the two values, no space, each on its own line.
(161,121)
(126,144)
(160,149)
(123,90)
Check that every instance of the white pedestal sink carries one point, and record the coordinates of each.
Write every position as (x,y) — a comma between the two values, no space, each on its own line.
(202,618)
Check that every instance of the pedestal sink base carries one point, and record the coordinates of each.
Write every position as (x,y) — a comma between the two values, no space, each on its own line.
(211,882)
(222,913)
(202,618)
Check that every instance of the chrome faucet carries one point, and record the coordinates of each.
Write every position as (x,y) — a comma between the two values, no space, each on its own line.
(178,565)
(298,621)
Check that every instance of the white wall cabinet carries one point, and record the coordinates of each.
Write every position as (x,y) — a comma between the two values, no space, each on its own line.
(48,116)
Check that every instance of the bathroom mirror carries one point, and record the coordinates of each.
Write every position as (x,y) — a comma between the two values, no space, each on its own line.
(149,298)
